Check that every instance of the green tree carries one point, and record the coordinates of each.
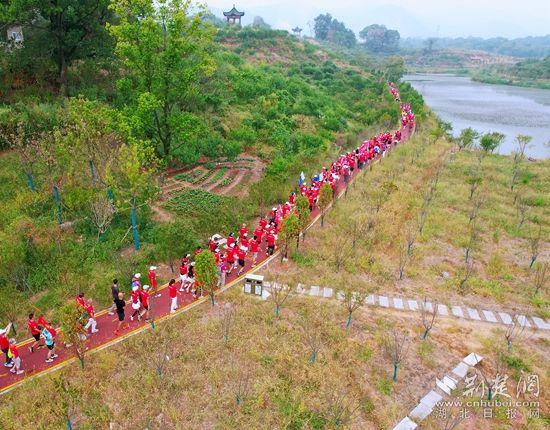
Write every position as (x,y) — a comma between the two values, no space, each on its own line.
(173,240)
(72,323)
(166,53)
(325,199)
(491,141)
(68,30)
(132,182)
(467,138)
(378,38)
(304,216)
(290,230)
(207,273)
(328,29)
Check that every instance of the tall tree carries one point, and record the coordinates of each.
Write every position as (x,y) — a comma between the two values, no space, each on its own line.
(378,38)
(132,182)
(72,29)
(166,53)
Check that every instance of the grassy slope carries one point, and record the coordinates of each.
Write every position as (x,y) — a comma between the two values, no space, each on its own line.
(121,386)
(501,255)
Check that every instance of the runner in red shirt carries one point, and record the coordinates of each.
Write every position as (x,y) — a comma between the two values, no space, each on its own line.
(5,344)
(230,253)
(14,355)
(173,294)
(254,248)
(152,275)
(263,223)
(258,233)
(144,299)
(242,231)
(35,332)
(80,300)
(136,304)
(91,317)
(244,241)
(241,255)
(230,240)
(270,243)
(183,277)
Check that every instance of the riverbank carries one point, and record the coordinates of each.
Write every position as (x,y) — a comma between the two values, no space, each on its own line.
(486,107)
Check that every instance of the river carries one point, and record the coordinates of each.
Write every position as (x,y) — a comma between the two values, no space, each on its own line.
(486,107)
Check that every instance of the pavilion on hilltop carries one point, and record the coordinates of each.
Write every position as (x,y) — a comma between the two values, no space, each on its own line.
(233,16)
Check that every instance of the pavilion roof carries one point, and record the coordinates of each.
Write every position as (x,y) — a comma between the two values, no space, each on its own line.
(233,12)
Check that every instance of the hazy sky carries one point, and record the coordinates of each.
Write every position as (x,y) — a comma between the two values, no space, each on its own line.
(485,18)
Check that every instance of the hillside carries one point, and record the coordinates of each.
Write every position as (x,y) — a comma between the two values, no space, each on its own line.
(288,116)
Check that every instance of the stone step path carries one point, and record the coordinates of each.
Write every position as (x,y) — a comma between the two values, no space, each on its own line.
(443,387)
(414,305)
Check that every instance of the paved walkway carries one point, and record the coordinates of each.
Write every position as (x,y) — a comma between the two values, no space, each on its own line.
(414,305)
(34,363)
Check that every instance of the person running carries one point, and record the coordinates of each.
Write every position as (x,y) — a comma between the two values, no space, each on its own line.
(50,343)
(173,294)
(270,243)
(144,299)
(120,304)
(136,304)
(91,317)
(80,300)
(5,344)
(35,332)
(114,294)
(152,275)
(241,256)
(254,249)
(183,277)
(16,359)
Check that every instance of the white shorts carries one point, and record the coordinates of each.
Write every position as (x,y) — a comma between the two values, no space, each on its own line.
(136,306)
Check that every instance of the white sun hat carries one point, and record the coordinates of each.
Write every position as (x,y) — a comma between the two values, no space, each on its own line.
(137,275)
(135,288)
(153,268)
(145,287)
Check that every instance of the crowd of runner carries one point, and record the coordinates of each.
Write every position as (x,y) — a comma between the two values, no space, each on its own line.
(231,253)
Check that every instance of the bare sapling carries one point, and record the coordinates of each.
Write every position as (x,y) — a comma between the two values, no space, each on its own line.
(541,276)
(535,234)
(228,313)
(396,347)
(353,300)
(280,293)
(428,314)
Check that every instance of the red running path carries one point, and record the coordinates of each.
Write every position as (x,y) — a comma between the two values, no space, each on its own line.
(34,363)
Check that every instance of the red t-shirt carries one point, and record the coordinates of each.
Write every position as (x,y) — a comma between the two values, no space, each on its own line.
(135,296)
(270,240)
(245,242)
(230,255)
(80,301)
(144,298)
(4,342)
(14,351)
(152,278)
(183,270)
(258,233)
(230,240)
(242,232)
(254,246)
(33,326)
(42,321)
(173,290)
(241,253)
(263,223)
(90,311)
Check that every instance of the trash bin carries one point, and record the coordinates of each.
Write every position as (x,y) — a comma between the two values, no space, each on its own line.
(253,284)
